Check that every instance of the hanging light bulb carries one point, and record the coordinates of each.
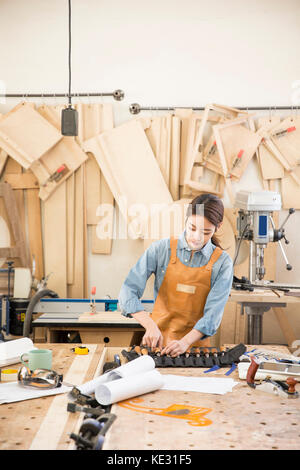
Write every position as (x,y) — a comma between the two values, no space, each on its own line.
(69,115)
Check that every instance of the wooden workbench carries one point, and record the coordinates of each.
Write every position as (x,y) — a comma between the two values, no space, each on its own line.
(242,419)
(45,423)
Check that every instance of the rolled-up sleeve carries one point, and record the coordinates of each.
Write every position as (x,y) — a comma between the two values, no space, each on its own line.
(216,299)
(135,283)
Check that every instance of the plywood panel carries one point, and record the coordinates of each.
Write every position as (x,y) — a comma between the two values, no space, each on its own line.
(25,135)
(131,171)
(55,241)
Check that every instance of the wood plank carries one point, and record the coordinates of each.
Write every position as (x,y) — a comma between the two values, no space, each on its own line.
(286,328)
(106,317)
(175,158)
(70,189)
(3,159)
(20,247)
(125,155)
(35,231)
(270,167)
(184,115)
(93,189)
(25,135)
(76,289)
(55,241)
(22,180)
(101,244)
(56,418)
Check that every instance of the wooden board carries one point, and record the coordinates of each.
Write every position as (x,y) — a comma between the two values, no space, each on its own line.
(237,140)
(67,152)
(3,159)
(25,135)
(93,118)
(106,317)
(270,167)
(131,171)
(19,248)
(55,241)
(290,190)
(289,143)
(102,239)
(175,158)
(35,231)
(184,115)
(70,196)
(76,289)
(242,419)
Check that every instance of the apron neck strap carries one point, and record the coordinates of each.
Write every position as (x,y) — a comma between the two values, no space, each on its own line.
(214,257)
(173,246)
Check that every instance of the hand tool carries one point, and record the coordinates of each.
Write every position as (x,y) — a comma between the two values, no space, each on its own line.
(284,132)
(72,408)
(92,432)
(237,159)
(93,301)
(277,387)
(57,175)
(189,360)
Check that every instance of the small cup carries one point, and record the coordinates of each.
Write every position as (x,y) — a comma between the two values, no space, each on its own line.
(37,359)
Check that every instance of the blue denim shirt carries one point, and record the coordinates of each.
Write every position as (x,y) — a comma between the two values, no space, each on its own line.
(155,261)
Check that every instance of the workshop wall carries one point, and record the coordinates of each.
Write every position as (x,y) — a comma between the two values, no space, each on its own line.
(161,53)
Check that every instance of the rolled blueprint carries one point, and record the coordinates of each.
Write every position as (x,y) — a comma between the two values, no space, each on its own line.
(128,387)
(140,365)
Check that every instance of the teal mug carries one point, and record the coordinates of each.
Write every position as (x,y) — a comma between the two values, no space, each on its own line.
(37,359)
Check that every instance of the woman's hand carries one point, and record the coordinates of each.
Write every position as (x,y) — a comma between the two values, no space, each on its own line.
(175,348)
(153,336)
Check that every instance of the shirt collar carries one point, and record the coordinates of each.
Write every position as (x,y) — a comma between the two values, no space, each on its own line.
(205,251)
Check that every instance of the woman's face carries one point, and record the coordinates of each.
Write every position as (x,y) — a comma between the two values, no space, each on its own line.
(199,231)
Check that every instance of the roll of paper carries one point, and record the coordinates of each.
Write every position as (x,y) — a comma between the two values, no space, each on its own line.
(129,387)
(137,366)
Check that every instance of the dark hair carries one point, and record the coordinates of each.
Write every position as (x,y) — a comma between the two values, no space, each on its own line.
(213,210)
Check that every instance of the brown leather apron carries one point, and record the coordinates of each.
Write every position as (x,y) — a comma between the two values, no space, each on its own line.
(182,295)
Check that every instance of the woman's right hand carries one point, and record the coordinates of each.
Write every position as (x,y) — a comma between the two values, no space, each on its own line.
(153,337)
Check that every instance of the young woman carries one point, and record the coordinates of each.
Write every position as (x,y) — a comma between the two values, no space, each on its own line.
(193,278)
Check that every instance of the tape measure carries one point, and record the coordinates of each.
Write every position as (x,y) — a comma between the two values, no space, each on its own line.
(9,375)
(80,350)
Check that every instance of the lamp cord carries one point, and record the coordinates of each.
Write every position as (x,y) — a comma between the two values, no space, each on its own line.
(70,104)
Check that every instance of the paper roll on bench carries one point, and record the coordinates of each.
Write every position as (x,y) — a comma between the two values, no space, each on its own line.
(137,366)
(129,387)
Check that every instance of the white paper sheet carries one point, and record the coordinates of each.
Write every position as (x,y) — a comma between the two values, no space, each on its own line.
(133,386)
(137,366)
(215,385)
(13,391)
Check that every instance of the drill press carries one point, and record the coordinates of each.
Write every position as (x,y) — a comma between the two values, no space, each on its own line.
(256,225)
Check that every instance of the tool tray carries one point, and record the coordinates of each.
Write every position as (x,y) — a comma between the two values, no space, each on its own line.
(196,357)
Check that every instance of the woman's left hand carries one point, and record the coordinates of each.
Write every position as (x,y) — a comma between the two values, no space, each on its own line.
(175,348)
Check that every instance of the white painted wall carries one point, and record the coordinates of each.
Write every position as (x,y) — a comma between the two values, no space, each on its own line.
(161,53)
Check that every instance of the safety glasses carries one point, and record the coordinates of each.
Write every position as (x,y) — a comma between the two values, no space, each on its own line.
(39,378)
